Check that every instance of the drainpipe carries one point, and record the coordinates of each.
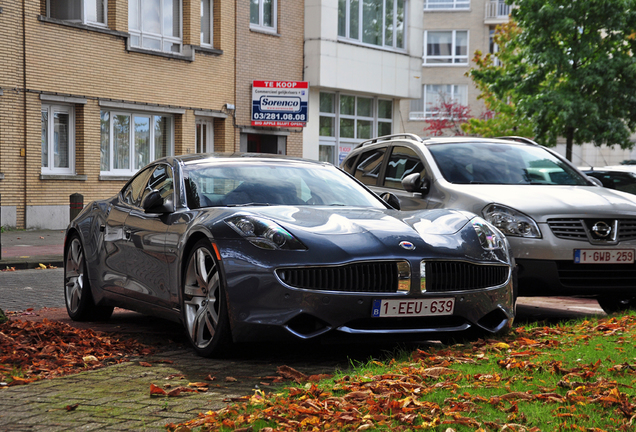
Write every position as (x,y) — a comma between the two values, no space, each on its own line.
(24,110)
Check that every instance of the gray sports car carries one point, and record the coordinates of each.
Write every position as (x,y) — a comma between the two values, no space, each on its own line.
(243,248)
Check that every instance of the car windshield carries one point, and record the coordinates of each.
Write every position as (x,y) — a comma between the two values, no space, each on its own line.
(214,184)
(497,163)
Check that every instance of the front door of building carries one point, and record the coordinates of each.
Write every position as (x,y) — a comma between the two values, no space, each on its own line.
(204,136)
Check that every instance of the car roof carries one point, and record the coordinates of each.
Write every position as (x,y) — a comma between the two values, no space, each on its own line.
(448,140)
(250,158)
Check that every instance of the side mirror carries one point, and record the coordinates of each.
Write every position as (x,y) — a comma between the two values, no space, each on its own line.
(391,200)
(594,180)
(414,183)
(155,203)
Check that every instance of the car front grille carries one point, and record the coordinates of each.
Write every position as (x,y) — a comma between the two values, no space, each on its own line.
(444,276)
(384,277)
(596,275)
(359,277)
(581,229)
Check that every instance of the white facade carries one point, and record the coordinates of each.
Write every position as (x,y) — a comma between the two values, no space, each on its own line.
(360,83)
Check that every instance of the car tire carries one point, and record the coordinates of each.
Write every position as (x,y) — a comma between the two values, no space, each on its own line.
(204,303)
(78,296)
(616,304)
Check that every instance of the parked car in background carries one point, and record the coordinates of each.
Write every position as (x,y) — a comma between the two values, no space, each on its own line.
(621,178)
(250,248)
(569,236)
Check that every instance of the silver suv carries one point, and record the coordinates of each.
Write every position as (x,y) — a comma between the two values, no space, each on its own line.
(569,235)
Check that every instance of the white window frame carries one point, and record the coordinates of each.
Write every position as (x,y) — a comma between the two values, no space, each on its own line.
(130,170)
(336,141)
(139,36)
(208,123)
(82,13)
(424,114)
(358,40)
(452,57)
(51,109)
(261,25)
(210,4)
(446,4)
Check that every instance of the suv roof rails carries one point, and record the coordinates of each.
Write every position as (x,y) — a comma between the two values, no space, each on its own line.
(388,137)
(519,139)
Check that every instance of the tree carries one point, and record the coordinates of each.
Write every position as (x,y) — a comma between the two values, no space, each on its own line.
(570,70)
(501,117)
(450,116)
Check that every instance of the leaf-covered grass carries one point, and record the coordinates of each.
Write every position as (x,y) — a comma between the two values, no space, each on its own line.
(578,376)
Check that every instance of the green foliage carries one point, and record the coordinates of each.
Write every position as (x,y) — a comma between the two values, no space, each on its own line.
(3,317)
(569,69)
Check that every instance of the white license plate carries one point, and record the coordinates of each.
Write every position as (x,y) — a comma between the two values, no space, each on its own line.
(413,307)
(604,256)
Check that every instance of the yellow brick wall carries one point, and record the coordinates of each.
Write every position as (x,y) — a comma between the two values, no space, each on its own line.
(71,61)
(262,56)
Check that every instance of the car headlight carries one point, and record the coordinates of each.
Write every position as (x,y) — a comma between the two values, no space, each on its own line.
(264,233)
(489,237)
(511,222)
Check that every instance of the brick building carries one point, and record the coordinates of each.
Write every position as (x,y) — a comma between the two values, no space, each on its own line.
(92,90)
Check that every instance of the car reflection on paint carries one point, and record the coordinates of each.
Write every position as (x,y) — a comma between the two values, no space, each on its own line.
(250,248)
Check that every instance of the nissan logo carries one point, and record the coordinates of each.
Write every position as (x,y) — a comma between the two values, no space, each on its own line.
(407,245)
(601,229)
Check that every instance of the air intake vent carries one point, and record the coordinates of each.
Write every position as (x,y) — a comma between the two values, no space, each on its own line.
(574,229)
(380,277)
(443,276)
(568,229)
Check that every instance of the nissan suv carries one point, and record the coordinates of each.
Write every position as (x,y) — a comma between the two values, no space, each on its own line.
(569,235)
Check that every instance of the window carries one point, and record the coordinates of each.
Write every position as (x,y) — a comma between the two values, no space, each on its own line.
(433,94)
(155,24)
(493,48)
(374,22)
(446,47)
(346,120)
(58,139)
(263,14)
(403,161)
(129,141)
(446,4)
(369,165)
(90,12)
(207,23)
(204,136)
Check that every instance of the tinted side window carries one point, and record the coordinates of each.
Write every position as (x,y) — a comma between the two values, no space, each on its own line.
(369,165)
(132,193)
(403,161)
(350,164)
(160,179)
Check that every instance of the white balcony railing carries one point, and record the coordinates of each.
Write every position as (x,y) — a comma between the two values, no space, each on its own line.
(497,9)
(446,4)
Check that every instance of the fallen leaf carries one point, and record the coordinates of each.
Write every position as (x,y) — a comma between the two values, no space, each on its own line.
(156,391)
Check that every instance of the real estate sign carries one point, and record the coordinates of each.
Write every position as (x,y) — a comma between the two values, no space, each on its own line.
(280,103)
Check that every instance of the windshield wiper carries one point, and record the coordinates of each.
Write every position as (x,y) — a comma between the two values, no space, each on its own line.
(248,204)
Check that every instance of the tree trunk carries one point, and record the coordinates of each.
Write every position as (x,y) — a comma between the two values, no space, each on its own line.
(569,142)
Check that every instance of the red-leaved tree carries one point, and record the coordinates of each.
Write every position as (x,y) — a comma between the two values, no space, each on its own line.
(448,118)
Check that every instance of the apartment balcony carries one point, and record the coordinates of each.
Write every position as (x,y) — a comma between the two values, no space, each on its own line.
(497,12)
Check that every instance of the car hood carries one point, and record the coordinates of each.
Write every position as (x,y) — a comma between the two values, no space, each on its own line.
(546,201)
(343,234)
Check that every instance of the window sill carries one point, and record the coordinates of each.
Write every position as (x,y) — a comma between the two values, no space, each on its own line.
(263,30)
(97,29)
(109,177)
(75,177)
(448,10)
(207,50)
(374,47)
(187,55)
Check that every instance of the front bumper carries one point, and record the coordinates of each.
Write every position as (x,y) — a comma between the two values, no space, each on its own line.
(262,307)
(563,277)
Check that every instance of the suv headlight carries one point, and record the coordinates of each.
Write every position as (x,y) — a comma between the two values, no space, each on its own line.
(264,233)
(489,237)
(511,222)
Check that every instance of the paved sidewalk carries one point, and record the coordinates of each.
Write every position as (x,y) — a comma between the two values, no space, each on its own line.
(23,249)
